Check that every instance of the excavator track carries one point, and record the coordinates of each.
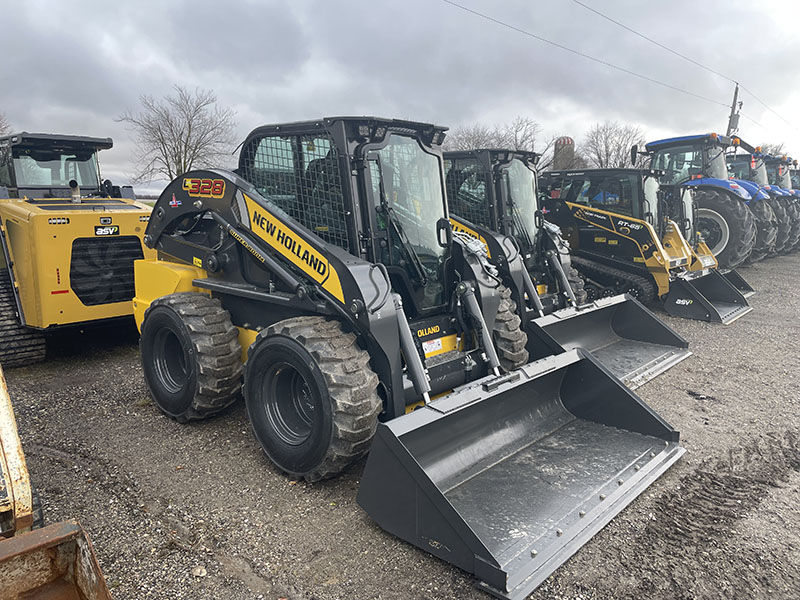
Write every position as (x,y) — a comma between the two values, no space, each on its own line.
(605,278)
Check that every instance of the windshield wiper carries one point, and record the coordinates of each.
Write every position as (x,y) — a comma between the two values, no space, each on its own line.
(518,222)
(394,222)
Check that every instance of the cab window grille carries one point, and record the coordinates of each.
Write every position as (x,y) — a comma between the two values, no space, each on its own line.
(466,190)
(301,176)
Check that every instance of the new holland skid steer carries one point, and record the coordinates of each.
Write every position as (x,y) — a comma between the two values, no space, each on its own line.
(493,192)
(67,241)
(324,282)
(56,562)
(619,224)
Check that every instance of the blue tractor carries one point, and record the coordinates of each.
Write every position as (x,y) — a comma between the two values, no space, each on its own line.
(733,221)
(752,167)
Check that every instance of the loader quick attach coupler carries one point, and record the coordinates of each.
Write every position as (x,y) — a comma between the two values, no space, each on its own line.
(706,296)
(507,477)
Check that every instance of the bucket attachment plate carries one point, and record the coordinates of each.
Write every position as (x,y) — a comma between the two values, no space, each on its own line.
(621,333)
(710,297)
(508,477)
(739,283)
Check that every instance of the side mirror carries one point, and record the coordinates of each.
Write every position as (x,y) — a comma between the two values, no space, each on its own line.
(444,233)
(634,154)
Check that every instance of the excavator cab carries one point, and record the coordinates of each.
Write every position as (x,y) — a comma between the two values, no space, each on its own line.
(323,281)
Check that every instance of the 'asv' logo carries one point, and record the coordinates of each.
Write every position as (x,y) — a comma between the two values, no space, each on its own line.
(684,301)
(106,230)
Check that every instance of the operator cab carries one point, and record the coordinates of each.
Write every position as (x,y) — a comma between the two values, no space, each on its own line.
(690,157)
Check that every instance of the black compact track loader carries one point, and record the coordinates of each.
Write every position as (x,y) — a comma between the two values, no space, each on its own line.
(623,228)
(492,197)
(324,282)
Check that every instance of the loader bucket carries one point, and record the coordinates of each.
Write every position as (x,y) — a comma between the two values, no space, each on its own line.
(739,283)
(55,562)
(509,476)
(710,297)
(628,339)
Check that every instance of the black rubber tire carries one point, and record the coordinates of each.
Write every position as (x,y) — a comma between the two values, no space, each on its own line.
(509,339)
(578,285)
(19,345)
(784,225)
(766,230)
(737,245)
(191,356)
(621,282)
(793,210)
(311,396)
(38,510)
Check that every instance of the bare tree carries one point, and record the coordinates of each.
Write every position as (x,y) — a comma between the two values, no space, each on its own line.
(179,133)
(608,144)
(774,149)
(5,126)
(471,137)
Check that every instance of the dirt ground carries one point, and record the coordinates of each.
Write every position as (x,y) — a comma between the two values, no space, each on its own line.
(196,511)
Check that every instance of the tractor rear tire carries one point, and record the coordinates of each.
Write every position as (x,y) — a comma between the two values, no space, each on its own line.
(19,345)
(191,356)
(766,230)
(793,209)
(728,224)
(784,225)
(311,396)
(509,339)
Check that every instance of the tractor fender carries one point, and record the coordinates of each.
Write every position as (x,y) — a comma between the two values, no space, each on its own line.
(728,185)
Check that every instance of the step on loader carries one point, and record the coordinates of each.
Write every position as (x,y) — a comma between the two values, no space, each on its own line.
(68,240)
(492,198)
(620,224)
(323,281)
(38,562)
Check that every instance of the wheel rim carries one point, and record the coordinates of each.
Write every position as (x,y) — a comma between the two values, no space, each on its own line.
(634,292)
(608,293)
(714,229)
(170,360)
(290,404)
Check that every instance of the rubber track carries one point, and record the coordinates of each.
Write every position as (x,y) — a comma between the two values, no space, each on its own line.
(216,351)
(352,385)
(509,339)
(620,280)
(19,345)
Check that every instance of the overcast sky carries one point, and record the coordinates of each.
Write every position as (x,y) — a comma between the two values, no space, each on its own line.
(72,67)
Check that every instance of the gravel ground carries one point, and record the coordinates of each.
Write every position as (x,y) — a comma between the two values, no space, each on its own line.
(196,511)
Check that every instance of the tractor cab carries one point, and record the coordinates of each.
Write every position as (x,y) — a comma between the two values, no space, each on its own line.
(690,158)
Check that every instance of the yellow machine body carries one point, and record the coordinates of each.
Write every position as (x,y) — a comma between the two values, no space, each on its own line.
(44,239)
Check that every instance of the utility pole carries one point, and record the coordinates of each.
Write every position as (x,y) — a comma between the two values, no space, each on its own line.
(733,119)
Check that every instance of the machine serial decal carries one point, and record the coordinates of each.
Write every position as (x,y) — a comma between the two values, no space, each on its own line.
(106,229)
(204,188)
(308,259)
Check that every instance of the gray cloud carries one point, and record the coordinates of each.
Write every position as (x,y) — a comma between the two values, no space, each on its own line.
(76,67)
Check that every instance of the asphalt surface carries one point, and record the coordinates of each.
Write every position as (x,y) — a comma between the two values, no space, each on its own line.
(197,511)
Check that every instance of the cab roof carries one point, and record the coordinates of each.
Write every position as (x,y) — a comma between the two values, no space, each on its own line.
(678,141)
(54,140)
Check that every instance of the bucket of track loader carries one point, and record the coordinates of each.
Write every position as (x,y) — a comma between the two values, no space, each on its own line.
(55,562)
(735,279)
(509,476)
(621,333)
(710,297)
